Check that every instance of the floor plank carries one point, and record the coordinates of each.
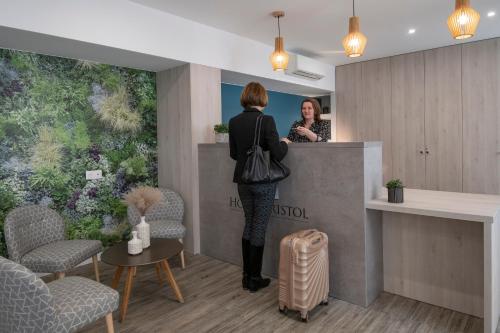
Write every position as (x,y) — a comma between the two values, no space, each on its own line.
(215,302)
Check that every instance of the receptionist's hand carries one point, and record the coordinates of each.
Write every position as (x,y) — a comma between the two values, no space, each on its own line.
(286,140)
(302,130)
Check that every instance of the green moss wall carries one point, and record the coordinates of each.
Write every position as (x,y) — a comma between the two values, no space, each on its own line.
(60,117)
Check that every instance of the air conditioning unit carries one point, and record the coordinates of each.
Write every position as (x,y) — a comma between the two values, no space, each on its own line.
(305,68)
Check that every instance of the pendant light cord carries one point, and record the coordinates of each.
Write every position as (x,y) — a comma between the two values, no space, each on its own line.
(279,30)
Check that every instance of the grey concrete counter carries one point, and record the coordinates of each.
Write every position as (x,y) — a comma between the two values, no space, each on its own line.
(327,190)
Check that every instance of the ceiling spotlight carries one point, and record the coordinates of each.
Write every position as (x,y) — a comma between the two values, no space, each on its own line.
(491,13)
(411,31)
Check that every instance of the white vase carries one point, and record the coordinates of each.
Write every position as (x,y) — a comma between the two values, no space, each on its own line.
(143,232)
(221,137)
(135,244)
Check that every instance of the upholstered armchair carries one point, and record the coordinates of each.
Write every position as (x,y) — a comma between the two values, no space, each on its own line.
(35,238)
(165,218)
(27,304)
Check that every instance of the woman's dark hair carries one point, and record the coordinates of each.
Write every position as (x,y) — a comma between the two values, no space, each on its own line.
(316,107)
(254,94)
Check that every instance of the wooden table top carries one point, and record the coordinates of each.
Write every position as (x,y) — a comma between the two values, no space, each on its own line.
(160,249)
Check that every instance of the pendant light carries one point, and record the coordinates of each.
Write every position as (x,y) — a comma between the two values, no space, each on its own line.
(463,21)
(279,58)
(354,43)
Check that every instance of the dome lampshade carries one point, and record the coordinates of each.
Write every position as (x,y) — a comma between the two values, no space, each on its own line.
(463,21)
(279,58)
(355,41)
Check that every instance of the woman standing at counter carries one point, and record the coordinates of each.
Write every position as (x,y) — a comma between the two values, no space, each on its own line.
(257,199)
(311,128)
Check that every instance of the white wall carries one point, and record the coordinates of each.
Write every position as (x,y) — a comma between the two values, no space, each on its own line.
(126,25)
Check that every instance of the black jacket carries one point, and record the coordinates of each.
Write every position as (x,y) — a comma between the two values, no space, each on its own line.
(241,136)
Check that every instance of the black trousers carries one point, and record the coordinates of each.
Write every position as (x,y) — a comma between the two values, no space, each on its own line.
(257,201)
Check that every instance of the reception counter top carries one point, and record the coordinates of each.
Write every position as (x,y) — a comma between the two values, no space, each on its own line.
(451,205)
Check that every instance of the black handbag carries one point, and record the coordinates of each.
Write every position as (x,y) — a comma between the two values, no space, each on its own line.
(260,167)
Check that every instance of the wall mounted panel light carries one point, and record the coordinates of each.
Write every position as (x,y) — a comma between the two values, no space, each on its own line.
(354,43)
(411,31)
(491,13)
(463,21)
(279,58)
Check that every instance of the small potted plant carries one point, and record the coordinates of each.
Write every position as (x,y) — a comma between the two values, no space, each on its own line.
(221,133)
(395,190)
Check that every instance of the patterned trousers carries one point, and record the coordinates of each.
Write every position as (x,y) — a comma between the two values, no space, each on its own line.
(257,201)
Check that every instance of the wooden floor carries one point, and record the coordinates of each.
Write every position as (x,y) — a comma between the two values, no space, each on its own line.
(215,302)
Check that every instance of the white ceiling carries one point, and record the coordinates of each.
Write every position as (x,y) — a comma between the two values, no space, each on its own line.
(73,49)
(315,28)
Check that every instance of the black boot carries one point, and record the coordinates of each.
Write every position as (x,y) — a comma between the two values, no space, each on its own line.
(256,282)
(245,250)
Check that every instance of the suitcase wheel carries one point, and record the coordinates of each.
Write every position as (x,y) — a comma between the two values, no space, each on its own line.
(284,310)
(305,318)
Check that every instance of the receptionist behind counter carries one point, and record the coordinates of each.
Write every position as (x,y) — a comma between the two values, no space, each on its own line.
(311,128)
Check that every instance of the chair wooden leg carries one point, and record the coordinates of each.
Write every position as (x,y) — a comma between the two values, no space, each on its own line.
(109,323)
(158,273)
(116,278)
(171,281)
(183,262)
(60,275)
(96,268)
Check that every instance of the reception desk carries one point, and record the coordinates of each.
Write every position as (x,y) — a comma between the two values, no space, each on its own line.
(328,189)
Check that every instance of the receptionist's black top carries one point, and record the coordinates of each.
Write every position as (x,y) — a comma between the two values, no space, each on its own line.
(320,128)
(241,136)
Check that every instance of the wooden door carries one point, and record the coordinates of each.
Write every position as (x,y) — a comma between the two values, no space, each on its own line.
(443,118)
(375,118)
(408,159)
(481,107)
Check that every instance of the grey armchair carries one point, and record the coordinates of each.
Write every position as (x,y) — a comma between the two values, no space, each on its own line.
(27,304)
(35,238)
(165,218)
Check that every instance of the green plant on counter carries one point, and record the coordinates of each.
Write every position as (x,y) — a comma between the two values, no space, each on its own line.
(394,183)
(221,128)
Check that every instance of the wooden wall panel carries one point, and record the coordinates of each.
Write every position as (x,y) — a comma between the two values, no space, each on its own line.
(188,107)
(408,159)
(349,102)
(374,121)
(443,118)
(481,107)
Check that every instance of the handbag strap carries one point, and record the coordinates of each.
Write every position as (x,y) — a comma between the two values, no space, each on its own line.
(258,125)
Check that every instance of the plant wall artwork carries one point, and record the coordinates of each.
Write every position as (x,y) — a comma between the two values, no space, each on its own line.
(60,118)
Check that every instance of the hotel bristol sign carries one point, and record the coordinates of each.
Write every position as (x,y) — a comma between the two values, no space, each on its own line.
(279,211)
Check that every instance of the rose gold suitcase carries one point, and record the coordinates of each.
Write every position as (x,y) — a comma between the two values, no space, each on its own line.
(303,275)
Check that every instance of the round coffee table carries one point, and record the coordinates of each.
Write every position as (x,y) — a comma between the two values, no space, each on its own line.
(157,253)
